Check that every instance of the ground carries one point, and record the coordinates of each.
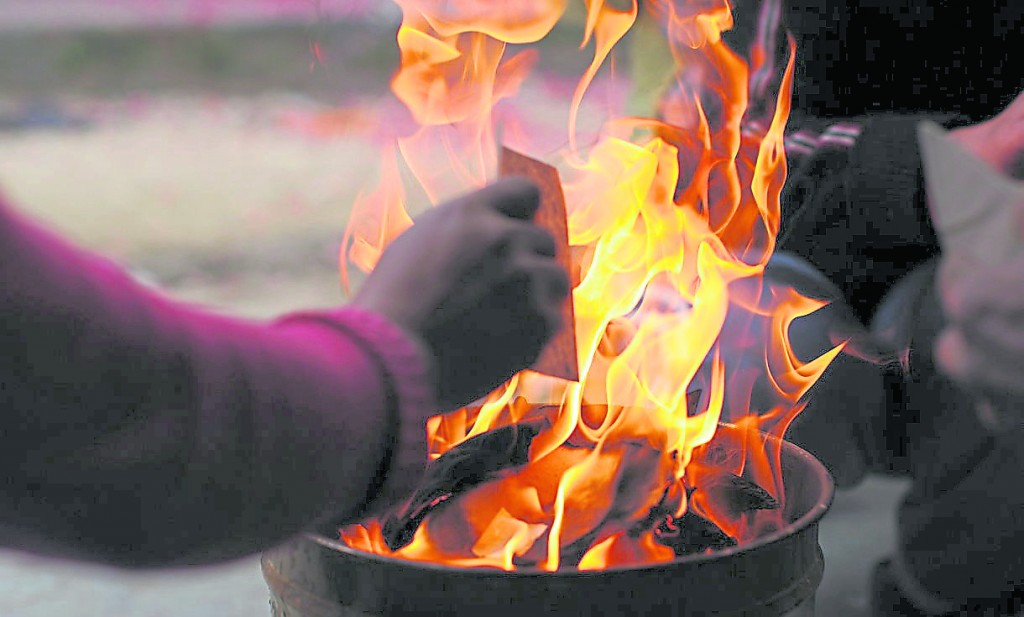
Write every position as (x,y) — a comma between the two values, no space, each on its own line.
(190,158)
(856,533)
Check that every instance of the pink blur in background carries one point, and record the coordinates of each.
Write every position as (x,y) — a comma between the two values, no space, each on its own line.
(65,14)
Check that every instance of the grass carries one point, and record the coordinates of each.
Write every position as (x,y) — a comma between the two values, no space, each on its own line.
(360,57)
(237,61)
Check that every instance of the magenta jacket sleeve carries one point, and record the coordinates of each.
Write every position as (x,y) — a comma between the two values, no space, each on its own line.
(137,431)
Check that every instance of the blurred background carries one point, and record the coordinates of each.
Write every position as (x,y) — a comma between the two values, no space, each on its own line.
(214,147)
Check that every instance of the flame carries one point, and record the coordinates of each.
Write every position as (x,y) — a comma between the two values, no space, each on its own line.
(672,222)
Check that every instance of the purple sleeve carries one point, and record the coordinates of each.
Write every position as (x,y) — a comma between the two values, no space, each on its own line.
(138,431)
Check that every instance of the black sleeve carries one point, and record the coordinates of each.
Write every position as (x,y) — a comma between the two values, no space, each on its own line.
(854,203)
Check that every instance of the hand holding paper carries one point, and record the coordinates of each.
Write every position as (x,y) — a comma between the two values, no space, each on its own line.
(559,358)
(975,209)
(978,214)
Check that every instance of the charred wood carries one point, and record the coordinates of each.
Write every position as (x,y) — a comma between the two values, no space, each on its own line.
(692,533)
(469,464)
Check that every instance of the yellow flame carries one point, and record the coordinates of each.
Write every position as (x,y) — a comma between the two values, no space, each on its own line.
(671,222)
(606,26)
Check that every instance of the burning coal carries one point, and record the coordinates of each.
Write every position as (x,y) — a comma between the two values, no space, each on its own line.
(671,222)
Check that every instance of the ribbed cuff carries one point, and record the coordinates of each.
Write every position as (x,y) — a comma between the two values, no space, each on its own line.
(407,370)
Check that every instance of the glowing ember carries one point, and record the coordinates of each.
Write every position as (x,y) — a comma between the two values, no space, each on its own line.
(671,224)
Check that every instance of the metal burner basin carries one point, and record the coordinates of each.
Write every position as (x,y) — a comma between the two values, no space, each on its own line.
(776,575)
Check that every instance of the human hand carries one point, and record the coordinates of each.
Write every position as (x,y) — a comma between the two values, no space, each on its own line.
(477,282)
(982,345)
(999,141)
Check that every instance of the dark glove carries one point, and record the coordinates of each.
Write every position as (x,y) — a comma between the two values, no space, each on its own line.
(477,282)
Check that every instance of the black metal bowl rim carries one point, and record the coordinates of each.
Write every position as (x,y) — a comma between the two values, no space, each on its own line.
(811,517)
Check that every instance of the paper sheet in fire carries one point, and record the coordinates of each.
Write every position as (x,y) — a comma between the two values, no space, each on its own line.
(973,206)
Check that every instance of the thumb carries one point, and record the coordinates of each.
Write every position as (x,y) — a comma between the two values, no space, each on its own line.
(515,197)
(1016,106)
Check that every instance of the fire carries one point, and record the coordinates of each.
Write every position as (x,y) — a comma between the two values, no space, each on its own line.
(671,223)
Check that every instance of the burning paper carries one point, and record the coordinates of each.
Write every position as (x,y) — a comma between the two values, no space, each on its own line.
(973,206)
(559,358)
(670,224)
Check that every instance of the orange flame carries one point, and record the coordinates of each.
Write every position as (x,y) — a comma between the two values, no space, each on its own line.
(672,222)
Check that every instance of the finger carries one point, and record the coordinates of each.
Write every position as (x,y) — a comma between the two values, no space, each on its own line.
(974,370)
(554,281)
(534,292)
(1009,137)
(1016,107)
(1015,166)
(954,284)
(953,356)
(999,340)
(970,290)
(514,197)
(528,238)
(549,287)
(531,258)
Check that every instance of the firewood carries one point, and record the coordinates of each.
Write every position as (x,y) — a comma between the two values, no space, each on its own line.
(692,533)
(745,496)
